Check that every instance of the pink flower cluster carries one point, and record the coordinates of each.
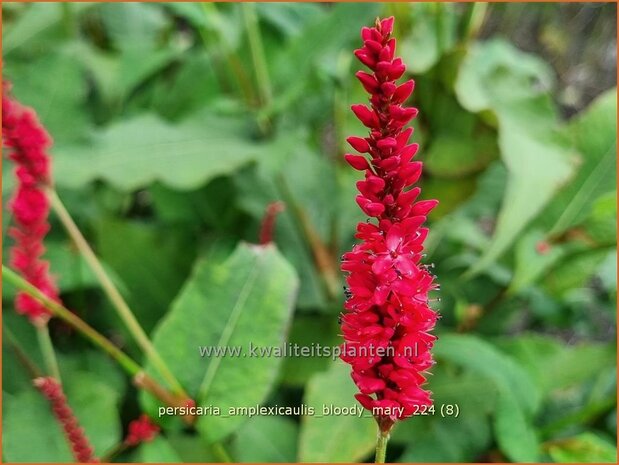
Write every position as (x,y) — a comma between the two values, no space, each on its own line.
(387,320)
(28,143)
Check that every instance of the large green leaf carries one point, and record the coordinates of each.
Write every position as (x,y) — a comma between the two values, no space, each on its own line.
(151,279)
(479,356)
(248,299)
(514,86)
(327,36)
(518,396)
(433,438)
(266,439)
(25,416)
(158,450)
(557,366)
(56,91)
(36,23)
(305,331)
(136,152)
(574,271)
(513,430)
(584,448)
(334,438)
(595,135)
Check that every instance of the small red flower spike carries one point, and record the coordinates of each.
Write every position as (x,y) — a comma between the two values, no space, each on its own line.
(387,320)
(80,446)
(268,222)
(141,430)
(28,143)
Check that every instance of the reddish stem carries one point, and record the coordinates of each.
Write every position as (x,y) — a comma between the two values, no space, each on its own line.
(268,222)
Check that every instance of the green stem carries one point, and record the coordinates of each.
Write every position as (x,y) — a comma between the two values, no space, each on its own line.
(475,20)
(257,53)
(80,325)
(68,18)
(48,352)
(114,295)
(140,378)
(381,447)
(227,53)
(220,452)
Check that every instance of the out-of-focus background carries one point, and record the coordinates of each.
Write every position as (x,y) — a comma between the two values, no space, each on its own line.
(176,124)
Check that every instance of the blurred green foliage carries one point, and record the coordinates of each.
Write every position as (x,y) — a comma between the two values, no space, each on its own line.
(176,124)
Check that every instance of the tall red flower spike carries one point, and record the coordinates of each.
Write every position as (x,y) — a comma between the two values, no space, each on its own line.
(80,446)
(387,316)
(28,143)
(141,430)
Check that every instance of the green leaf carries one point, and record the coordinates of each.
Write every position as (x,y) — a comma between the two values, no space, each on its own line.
(328,37)
(158,450)
(25,416)
(28,415)
(289,18)
(595,135)
(307,330)
(574,271)
(95,404)
(266,439)
(137,152)
(133,25)
(495,72)
(36,24)
(495,76)
(334,438)
(420,49)
(531,264)
(448,440)
(480,356)
(514,432)
(246,299)
(191,448)
(584,448)
(56,91)
(95,363)
(432,438)
(152,279)
(601,223)
(556,366)
(455,155)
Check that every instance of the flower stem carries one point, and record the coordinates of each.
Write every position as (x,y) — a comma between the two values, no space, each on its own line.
(47,350)
(114,295)
(71,318)
(381,446)
(220,452)
(257,53)
(140,378)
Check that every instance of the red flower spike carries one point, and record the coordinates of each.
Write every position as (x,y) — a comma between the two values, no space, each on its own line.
(80,446)
(141,430)
(28,143)
(387,296)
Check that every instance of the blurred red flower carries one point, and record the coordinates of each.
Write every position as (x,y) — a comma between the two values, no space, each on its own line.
(28,143)
(141,430)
